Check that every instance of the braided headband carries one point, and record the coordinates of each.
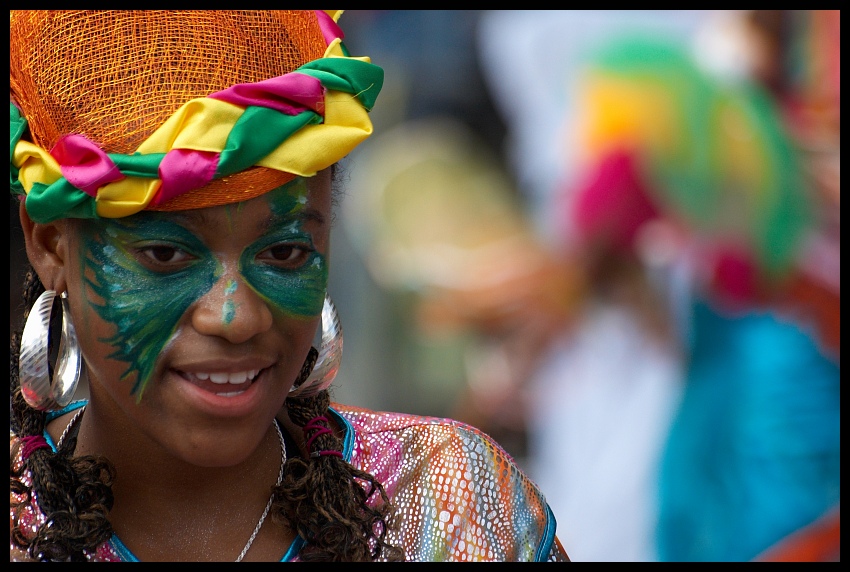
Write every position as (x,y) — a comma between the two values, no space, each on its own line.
(298,123)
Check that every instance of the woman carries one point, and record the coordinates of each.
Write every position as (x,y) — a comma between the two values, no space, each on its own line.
(179,224)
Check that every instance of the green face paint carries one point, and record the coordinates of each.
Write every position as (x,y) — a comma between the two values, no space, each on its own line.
(296,292)
(228,310)
(145,306)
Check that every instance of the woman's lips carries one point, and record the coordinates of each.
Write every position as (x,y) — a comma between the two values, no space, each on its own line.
(226,399)
(223,384)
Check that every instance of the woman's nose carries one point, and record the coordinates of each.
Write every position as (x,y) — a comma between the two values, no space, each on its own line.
(231,310)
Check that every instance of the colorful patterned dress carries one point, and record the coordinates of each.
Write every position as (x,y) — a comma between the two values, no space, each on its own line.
(460,496)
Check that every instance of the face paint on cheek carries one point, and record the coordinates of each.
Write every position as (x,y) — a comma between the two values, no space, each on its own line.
(295,292)
(143,306)
(298,292)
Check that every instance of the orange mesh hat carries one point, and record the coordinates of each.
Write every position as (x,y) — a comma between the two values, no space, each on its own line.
(117,111)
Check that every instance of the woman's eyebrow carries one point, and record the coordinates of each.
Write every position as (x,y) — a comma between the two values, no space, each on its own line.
(307,214)
(195,217)
(201,218)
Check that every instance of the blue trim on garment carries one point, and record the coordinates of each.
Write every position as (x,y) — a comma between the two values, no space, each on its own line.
(294,549)
(545,547)
(51,415)
(122,551)
(348,437)
(127,556)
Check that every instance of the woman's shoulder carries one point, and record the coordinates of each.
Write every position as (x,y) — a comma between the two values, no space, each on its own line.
(462,495)
(367,420)
(436,436)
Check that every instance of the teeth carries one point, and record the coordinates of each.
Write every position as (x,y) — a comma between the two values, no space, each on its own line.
(229,393)
(219,377)
(235,378)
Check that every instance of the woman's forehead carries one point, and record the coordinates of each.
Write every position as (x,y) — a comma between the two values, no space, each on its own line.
(303,198)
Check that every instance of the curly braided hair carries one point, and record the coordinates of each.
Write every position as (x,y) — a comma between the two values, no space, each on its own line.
(324,499)
(75,493)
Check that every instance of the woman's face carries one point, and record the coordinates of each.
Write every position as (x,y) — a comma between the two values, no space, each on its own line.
(194,324)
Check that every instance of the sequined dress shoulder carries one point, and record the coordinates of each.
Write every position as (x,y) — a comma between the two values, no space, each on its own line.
(459,495)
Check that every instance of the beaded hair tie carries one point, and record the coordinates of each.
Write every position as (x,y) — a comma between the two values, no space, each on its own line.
(319,425)
(31,443)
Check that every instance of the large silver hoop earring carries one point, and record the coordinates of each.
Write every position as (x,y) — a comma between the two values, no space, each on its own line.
(34,369)
(330,354)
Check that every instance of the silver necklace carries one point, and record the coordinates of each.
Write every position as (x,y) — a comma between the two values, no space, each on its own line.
(268,504)
(71,423)
(271,498)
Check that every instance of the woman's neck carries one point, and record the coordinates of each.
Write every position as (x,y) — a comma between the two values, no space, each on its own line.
(168,509)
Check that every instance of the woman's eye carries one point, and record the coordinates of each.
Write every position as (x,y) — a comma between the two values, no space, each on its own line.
(162,254)
(286,254)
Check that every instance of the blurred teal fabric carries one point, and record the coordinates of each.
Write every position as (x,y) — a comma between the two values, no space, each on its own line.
(754,453)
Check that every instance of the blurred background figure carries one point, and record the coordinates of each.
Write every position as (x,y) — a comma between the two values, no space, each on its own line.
(602,394)
(752,465)
(700,150)
(606,391)
(734,152)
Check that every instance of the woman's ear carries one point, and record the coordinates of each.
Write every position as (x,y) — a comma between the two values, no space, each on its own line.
(47,249)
